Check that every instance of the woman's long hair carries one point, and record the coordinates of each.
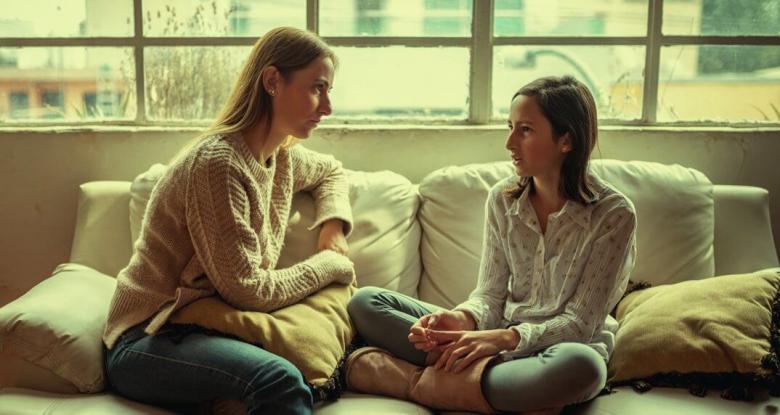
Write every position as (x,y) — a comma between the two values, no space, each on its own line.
(286,48)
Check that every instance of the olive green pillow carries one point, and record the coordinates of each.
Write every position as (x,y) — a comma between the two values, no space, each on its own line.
(719,332)
(312,334)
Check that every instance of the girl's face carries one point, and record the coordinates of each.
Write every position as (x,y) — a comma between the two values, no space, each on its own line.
(301,101)
(534,149)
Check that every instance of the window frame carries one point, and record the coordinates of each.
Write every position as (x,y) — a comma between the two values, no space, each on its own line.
(480,45)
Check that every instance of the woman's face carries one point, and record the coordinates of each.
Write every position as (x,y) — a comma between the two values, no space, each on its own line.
(534,149)
(301,101)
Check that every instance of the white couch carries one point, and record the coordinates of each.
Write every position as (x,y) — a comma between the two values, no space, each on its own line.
(423,239)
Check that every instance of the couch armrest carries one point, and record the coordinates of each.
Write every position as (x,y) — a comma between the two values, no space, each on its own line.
(102,236)
(743,232)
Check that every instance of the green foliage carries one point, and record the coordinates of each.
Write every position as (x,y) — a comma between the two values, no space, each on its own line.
(739,17)
(189,83)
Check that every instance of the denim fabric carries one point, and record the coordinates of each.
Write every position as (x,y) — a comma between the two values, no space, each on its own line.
(183,367)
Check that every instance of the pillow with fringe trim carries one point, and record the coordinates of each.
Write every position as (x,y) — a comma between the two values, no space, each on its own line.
(313,334)
(715,333)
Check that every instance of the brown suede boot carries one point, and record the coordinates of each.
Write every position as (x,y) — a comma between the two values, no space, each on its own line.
(376,371)
(452,391)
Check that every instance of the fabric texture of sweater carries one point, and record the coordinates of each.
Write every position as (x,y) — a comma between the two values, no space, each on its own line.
(215,225)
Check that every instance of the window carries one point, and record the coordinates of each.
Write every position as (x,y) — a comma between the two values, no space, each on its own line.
(141,62)
(20,103)
(707,74)
(445,17)
(53,104)
(370,19)
(100,104)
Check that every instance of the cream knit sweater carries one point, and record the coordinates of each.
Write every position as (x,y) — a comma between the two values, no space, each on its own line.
(215,224)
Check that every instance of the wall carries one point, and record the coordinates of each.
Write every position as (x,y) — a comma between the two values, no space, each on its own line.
(41,169)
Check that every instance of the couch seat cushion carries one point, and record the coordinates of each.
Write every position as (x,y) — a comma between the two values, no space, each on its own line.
(15,401)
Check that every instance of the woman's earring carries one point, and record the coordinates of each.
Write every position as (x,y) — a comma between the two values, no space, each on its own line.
(272,92)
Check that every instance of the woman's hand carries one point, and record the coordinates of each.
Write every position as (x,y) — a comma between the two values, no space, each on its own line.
(464,347)
(332,237)
(443,320)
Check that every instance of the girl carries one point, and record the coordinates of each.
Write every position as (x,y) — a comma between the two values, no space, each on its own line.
(215,225)
(558,247)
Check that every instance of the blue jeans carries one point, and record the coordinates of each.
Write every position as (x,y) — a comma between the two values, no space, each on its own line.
(182,367)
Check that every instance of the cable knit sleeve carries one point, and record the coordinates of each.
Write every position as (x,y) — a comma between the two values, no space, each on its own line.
(604,278)
(217,210)
(486,302)
(323,177)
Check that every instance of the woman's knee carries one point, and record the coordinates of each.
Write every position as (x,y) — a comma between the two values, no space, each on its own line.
(279,377)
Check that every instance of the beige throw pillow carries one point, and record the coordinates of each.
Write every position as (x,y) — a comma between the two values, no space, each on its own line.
(312,334)
(58,325)
(719,332)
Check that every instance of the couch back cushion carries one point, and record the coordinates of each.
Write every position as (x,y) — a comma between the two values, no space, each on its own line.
(101,239)
(675,220)
(384,244)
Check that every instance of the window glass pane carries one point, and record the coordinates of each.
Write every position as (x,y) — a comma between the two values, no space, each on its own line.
(612,73)
(719,83)
(53,99)
(66,18)
(722,17)
(19,105)
(220,17)
(570,18)
(395,18)
(60,83)
(401,81)
(190,83)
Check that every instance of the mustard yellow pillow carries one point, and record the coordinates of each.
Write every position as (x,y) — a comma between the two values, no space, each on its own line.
(312,334)
(719,332)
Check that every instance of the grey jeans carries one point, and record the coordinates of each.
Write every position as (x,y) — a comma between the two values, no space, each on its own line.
(560,375)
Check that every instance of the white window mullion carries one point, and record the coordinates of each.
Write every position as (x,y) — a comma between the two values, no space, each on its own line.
(138,50)
(655,14)
(481,65)
(313,16)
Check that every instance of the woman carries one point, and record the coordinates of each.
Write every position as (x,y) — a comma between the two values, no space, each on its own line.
(215,225)
(558,246)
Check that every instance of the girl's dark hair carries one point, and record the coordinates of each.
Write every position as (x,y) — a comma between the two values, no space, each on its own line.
(570,108)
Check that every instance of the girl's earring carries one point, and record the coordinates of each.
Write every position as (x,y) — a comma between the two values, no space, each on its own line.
(272,92)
